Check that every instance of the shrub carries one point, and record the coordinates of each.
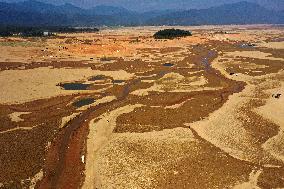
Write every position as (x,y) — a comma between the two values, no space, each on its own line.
(171,33)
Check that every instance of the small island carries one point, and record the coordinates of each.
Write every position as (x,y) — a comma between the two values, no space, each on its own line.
(171,34)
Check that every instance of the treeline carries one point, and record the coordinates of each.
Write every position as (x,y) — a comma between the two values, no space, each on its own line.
(72,30)
(171,33)
(6,31)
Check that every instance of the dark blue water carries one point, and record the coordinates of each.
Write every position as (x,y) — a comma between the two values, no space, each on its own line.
(168,64)
(247,45)
(97,77)
(75,86)
(118,81)
(278,39)
(83,102)
(205,61)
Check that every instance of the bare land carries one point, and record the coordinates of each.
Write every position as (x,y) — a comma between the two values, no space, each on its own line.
(119,109)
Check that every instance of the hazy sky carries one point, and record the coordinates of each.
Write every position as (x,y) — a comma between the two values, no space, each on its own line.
(145,5)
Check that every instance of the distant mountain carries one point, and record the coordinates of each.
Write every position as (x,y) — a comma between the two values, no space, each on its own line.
(238,13)
(34,13)
(30,13)
(110,10)
(150,5)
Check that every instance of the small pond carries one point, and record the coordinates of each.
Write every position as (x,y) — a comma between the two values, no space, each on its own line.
(74,86)
(83,102)
(118,81)
(97,78)
(168,64)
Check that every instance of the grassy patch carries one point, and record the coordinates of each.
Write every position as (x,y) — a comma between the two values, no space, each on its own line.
(19,44)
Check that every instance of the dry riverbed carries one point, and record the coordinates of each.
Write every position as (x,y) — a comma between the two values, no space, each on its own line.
(119,109)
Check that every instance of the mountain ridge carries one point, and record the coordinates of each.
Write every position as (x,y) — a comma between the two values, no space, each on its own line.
(32,12)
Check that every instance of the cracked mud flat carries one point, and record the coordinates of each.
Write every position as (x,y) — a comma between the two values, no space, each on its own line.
(213,119)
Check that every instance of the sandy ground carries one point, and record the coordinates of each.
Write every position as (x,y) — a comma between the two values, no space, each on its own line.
(98,137)
(272,45)
(16,116)
(212,117)
(229,134)
(42,83)
(252,183)
(253,54)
